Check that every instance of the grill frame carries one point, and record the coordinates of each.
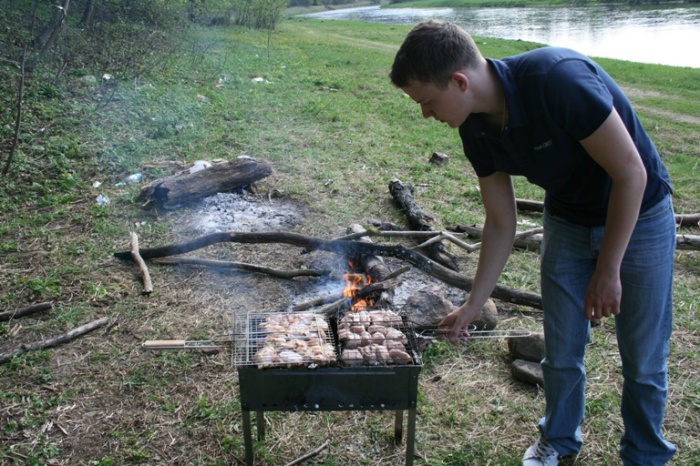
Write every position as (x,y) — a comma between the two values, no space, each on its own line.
(331,388)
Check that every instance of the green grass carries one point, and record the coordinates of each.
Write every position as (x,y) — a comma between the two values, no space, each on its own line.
(336,133)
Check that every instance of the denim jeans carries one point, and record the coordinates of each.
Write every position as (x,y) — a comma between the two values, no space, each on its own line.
(643,330)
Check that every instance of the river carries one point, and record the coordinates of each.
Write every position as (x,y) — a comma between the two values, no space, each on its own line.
(666,35)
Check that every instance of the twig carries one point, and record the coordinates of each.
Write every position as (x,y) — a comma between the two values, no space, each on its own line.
(24,312)
(308,455)
(147,284)
(240,266)
(63,338)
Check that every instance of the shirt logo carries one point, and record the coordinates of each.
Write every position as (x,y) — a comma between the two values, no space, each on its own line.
(544,145)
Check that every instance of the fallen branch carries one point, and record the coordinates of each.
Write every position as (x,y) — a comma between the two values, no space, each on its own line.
(64,338)
(532,239)
(147,284)
(308,455)
(403,196)
(536,206)
(9,315)
(347,248)
(240,266)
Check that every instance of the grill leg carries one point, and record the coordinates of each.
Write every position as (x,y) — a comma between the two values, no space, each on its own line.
(260,421)
(410,436)
(398,426)
(247,438)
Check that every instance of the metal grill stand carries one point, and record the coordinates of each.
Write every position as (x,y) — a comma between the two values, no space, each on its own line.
(330,389)
(323,387)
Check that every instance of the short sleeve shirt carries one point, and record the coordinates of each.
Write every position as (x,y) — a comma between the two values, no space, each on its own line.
(557,97)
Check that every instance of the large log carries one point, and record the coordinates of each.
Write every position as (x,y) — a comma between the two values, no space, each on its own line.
(348,248)
(184,187)
(403,196)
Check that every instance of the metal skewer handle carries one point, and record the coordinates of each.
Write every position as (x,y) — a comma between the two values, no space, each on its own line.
(181,344)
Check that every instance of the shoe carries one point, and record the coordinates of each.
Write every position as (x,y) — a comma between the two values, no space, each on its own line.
(541,454)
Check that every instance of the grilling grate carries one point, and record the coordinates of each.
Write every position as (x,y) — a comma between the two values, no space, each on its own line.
(311,340)
(282,340)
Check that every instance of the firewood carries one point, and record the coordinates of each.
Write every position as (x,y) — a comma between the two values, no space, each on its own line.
(240,266)
(9,315)
(341,247)
(145,274)
(63,338)
(403,196)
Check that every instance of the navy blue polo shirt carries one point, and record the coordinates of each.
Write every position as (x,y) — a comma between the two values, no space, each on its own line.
(557,97)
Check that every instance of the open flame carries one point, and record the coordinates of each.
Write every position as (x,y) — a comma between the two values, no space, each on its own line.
(355,282)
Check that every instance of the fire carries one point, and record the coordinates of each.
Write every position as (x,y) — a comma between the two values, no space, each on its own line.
(355,282)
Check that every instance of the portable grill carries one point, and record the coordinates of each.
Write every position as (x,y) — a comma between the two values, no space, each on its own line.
(329,386)
(321,380)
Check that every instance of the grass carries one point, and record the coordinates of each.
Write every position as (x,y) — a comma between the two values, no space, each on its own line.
(336,133)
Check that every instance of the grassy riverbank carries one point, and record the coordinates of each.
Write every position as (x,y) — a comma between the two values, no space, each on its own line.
(336,132)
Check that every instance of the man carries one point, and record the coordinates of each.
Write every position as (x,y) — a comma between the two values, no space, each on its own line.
(557,118)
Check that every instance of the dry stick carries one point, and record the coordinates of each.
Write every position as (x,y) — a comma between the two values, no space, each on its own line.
(310,454)
(240,266)
(147,284)
(24,312)
(346,248)
(66,337)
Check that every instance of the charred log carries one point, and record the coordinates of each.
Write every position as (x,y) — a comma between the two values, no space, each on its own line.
(403,196)
(184,187)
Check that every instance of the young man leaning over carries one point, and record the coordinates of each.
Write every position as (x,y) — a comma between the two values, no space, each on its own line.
(557,118)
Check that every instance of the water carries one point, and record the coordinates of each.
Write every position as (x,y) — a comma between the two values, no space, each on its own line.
(661,35)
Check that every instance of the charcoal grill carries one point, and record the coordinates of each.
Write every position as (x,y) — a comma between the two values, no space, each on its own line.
(333,386)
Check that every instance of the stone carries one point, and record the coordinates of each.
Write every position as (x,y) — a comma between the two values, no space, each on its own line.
(528,372)
(529,348)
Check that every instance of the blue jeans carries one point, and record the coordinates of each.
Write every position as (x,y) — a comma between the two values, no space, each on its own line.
(643,330)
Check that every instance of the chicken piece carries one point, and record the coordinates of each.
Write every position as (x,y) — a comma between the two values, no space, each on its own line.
(266,357)
(354,341)
(382,355)
(400,357)
(393,344)
(366,339)
(291,357)
(357,328)
(396,335)
(351,357)
(378,338)
(386,318)
(374,328)
(368,354)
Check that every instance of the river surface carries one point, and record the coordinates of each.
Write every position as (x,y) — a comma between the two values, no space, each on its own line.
(661,35)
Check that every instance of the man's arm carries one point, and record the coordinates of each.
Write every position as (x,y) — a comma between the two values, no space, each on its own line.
(496,245)
(613,149)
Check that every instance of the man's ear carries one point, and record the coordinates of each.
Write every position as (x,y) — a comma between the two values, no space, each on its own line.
(460,79)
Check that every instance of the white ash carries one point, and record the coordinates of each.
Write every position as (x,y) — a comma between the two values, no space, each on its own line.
(240,212)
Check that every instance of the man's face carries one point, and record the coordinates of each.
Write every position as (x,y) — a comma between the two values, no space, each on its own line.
(445,105)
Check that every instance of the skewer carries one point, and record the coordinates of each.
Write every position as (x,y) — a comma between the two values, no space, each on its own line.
(471,333)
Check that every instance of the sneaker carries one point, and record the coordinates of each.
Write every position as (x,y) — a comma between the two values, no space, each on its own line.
(541,454)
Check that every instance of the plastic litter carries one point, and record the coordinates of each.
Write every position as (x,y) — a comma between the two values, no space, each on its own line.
(199,165)
(102,200)
(130,179)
